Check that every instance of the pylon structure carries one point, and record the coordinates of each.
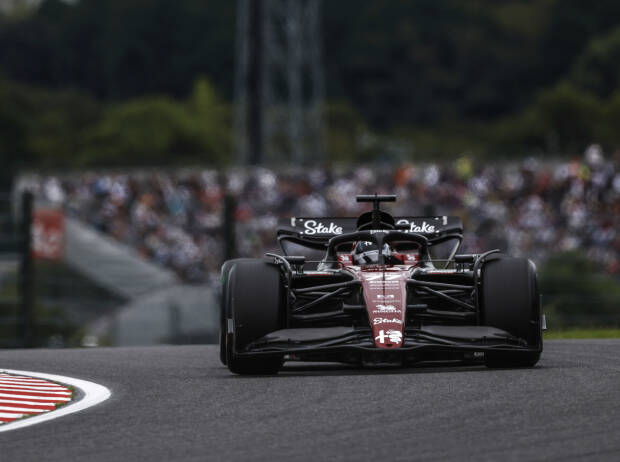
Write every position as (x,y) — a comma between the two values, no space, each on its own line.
(279,88)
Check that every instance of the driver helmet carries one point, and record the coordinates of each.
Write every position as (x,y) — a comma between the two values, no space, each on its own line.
(367,253)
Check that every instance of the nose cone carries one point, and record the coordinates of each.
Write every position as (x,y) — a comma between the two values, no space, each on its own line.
(385,294)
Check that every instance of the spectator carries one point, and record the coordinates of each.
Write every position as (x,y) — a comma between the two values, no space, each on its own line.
(530,208)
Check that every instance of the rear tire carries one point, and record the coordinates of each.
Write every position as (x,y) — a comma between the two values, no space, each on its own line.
(510,301)
(256,308)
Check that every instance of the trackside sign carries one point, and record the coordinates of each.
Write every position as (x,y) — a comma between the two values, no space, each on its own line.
(48,234)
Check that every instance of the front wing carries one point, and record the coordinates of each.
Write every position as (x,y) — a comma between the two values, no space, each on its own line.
(356,345)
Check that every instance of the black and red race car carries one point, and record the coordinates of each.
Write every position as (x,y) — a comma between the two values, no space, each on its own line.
(372,291)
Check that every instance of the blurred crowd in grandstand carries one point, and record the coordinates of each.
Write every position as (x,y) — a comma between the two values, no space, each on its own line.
(531,208)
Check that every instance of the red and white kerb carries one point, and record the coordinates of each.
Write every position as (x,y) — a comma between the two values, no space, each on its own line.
(22,396)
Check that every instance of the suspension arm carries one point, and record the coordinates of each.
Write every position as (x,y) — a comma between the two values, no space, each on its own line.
(320,299)
(337,285)
(448,298)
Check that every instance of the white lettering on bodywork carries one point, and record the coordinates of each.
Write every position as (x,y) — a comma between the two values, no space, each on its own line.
(393,336)
(416,228)
(312,227)
(386,321)
(386,307)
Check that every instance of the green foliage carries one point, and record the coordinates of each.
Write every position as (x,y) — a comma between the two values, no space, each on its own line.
(562,119)
(66,128)
(570,117)
(576,292)
(572,24)
(42,126)
(439,77)
(483,77)
(522,133)
(597,69)
(138,131)
(122,49)
(151,130)
(12,10)
(398,62)
(608,132)
(56,128)
(555,334)
(347,134)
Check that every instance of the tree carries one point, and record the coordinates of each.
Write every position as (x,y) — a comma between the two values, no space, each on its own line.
(159,130)
(597,69)
(119,49)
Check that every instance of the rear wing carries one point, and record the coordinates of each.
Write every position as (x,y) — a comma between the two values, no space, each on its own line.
(324,228)
(309,236)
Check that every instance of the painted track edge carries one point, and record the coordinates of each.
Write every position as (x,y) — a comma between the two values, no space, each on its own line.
(93,394)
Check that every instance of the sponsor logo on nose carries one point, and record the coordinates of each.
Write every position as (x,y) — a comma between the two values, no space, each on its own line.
(392,336)
(386,321)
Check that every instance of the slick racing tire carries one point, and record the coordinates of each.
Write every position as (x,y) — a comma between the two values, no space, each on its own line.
(225,303)
(510,301)
(256,308)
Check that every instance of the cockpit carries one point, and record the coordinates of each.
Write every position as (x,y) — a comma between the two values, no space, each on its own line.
(376,237)
(363,253)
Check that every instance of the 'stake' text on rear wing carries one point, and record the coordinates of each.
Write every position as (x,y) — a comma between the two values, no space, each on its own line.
(326,227)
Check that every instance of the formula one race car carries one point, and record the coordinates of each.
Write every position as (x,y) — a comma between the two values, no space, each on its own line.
(369,291)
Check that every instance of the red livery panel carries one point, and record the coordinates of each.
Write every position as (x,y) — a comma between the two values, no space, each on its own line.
(385,294)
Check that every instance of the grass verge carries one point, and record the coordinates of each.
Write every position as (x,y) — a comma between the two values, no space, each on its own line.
(581,333)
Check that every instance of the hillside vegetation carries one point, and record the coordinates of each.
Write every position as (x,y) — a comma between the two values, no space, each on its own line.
(135,81)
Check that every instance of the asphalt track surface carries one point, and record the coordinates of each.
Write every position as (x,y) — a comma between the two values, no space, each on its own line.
(179,403)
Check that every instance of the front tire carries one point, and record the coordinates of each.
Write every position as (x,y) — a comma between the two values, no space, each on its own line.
(511,301)
(225,303)
(256,308)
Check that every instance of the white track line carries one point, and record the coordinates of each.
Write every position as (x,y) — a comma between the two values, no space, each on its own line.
(9,415)
(20,409)
(28,382)
(32,403)
(10,376)
(93,394)
(14,377)
(34,388)
(37,398)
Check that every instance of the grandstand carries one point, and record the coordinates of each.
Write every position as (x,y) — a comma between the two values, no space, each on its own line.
(175,219)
